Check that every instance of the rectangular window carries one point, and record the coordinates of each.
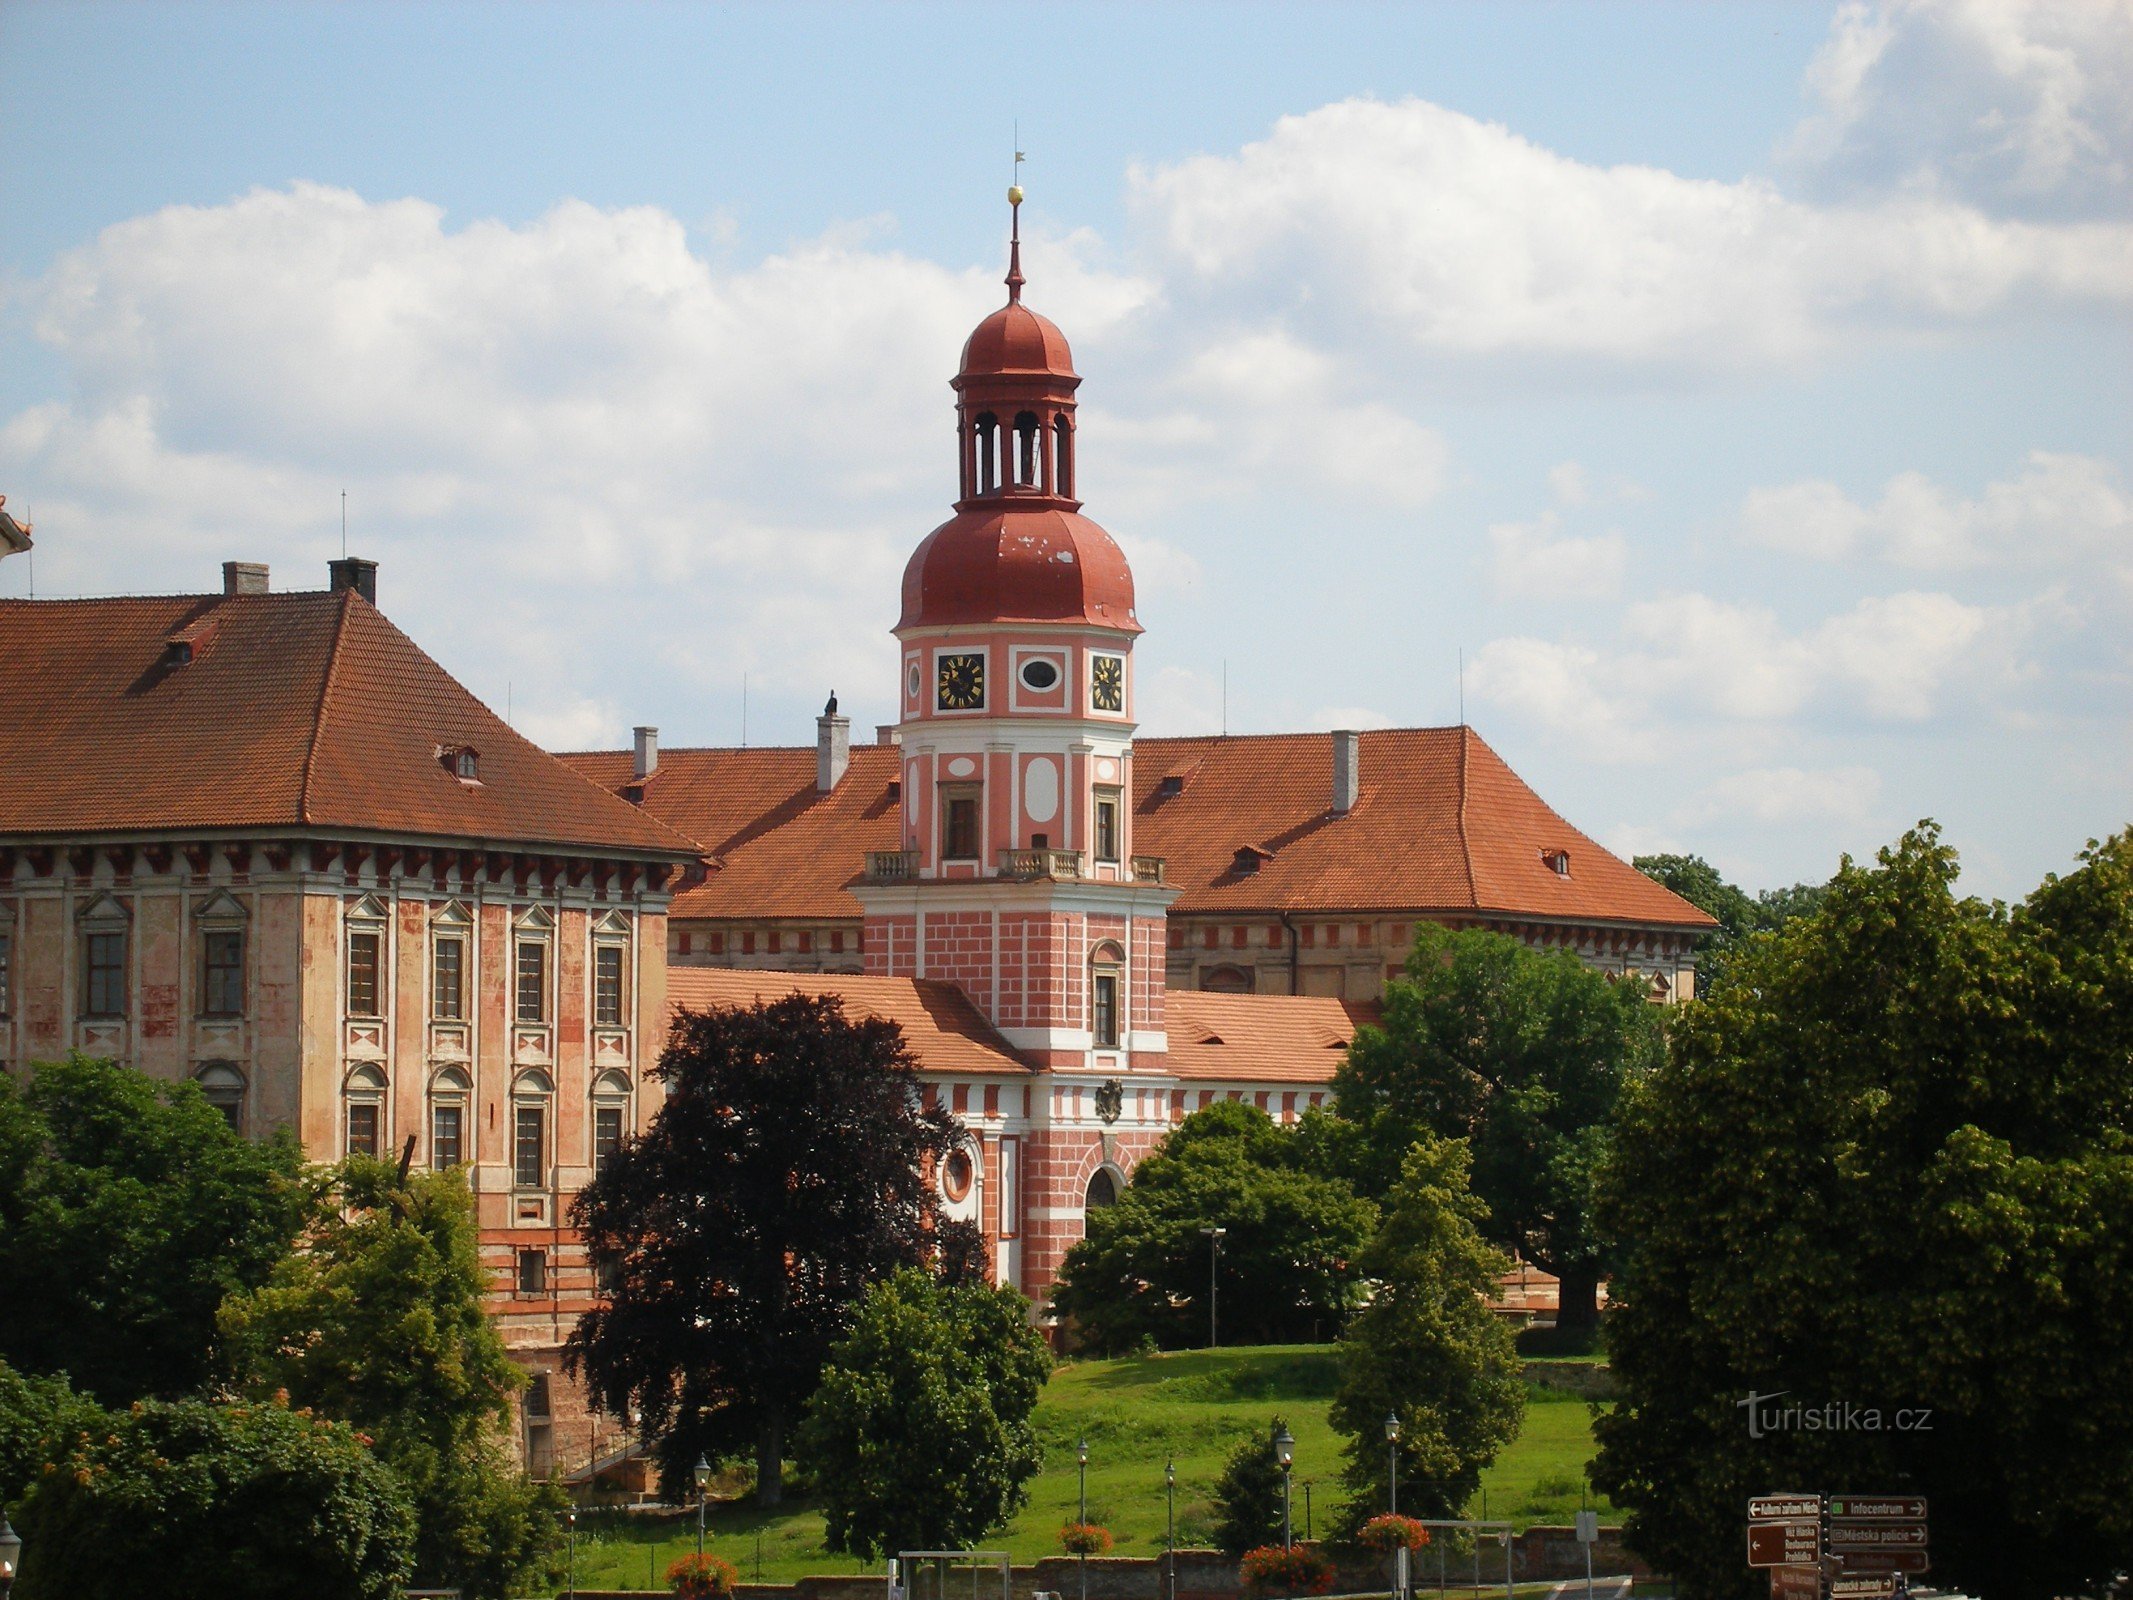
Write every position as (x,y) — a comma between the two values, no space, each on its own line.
(1010,1188)
(607,985)
(105,993)
(532,981)
(448,979)
(529,1145)
(1104,1009)
(959,823)
(447,1134)
(533,1272)
(363,1128)
(222,985)
(363,974)
(607,1135)
(1107,824)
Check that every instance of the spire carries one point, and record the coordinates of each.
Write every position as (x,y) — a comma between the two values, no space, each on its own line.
(1014,246)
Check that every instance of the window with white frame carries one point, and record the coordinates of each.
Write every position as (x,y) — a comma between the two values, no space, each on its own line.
(104,929)
(610,1118)
(451,933)
(532,1099)
(365,1111)
(449,1093)
(223,1086)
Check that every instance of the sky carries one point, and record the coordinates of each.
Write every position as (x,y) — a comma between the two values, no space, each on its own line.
(1727,409)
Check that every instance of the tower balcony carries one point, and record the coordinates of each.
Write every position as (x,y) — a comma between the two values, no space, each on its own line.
(1015,866)
(1027,866)
(1148,869)
(892,866)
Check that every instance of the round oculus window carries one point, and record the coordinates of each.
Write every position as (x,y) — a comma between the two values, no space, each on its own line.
(956,1176)
(1040,674)
(912,681)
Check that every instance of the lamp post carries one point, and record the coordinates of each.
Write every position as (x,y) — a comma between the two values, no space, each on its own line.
(10,1555)
(570,1520)
(1285,1453)
(1170,1526)
(1081,1460)
(703,1493)
(1307,1511)
(1214,1262)
(1392,1461)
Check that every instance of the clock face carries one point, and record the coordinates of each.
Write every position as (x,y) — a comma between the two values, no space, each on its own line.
(1107,683)
(961,686)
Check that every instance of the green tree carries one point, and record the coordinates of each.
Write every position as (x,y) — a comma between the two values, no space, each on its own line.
(128,1210)
(1247,1497)
(1523,1053)
(35,1415)
(381,1324)
(1427,1348)
(920,1435)
(1740,915)
(1890,1167)
(786,1172)
(189,1500)
(1287,1265)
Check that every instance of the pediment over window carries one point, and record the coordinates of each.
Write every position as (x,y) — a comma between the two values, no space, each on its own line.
(221,909)
(611,1086)
(454,914)
(533,1081)
(534,919)
(450,1080)
(368,908)
(366,1079)
(613,922)
(105,911)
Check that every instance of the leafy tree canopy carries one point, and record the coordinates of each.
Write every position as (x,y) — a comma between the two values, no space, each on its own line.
(36,1415)
(1740,915)
(920,1434)
(788,1170)
(1890,1167)
(1427,1348)
(1287,1264)
(1523,1053)
(381,1324)
(128,1210)
(194,1501)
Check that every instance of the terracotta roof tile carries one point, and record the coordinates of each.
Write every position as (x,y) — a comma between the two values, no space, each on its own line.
(945,1031)
(295,710)
(1260,1038)
(1442,826)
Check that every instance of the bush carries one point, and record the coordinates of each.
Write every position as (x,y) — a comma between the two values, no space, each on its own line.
(696,1577)
(1298,1569)
(1390,1533)
(1084,1539)
(1248,1494)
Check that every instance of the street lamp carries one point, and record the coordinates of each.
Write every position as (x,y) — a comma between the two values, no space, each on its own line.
(1307,1511)
(1170,1529)
(703,1493)
(10,1555)
(1081,1459)
(1214,1261)
(1285,1453)
(1392,1460)
(570,1519)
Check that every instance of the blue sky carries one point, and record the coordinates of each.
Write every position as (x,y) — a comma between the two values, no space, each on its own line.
(1741,392)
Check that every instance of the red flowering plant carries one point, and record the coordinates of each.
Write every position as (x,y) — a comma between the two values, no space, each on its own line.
(1387,1534)
(1084,1539)
(1299,1569)
(696,1577)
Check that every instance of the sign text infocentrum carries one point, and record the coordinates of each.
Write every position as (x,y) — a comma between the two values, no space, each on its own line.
(1766,1416)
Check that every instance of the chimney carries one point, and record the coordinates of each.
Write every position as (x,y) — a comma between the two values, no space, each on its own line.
(887,733)
(644,761)
(833,748)
(1347,770)
(244,577)
(353,572)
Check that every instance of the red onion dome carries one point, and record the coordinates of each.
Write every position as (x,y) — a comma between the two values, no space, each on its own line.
(1009,564)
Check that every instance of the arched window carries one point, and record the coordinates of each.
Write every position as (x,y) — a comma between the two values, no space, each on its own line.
(1103,1190)
(1106,992)
(364,1097)
(1063,459)
(1026,447)
(1227,980)
(449,1090)
(223,1085)
(610,1118)
(988,431)
(532,1096)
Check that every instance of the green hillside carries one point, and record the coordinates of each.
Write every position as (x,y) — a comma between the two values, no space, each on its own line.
(1137,1413)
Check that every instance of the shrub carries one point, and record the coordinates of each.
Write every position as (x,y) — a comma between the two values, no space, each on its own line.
(1084,1539)
(1387,1534)
(1298,1569)
(1248,1494)
(696,1577)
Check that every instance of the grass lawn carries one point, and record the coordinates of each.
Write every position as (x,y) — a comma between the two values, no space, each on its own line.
(1192,1406)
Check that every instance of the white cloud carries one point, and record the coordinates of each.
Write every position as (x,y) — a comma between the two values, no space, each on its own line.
(2062,508)
(1398,231)
(1329,718)
(2018,105)
(1785,795)
(1528,561)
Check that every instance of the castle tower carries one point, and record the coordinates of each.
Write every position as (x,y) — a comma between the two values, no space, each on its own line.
(1017,878)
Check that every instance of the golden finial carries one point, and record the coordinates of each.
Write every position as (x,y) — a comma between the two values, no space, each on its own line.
(1014,194)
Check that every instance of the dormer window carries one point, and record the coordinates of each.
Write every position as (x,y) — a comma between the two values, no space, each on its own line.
(1249,859)
(1557,862)
(1170,788)
(462,761)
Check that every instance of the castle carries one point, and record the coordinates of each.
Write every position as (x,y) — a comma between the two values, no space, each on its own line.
(262,841)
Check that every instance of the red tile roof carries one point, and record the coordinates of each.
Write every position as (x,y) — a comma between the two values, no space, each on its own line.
(1260,1038)
(1442,826)
(946,1032)
(295,710)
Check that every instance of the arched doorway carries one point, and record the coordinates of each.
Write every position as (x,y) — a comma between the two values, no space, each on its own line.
(1102,1191)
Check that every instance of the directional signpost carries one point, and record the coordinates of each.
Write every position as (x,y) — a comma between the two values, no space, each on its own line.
(1837,1546)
